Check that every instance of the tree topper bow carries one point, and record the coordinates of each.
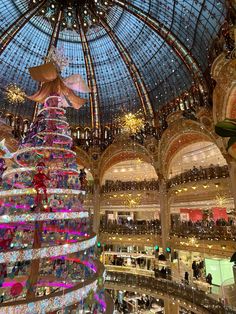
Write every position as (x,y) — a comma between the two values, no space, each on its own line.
(52,83)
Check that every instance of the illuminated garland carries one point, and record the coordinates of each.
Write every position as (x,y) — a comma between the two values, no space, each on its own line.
(60,299)
(57,120)
(70,242)
(26,169)
(46,252)
(54,133)
(41,283)
(53,303)
(31,191)
(42,148)
(53,149)
(51,108)
(43,216)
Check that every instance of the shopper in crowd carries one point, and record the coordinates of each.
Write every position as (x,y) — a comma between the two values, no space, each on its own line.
(186,277)
(163,272)
(209,279)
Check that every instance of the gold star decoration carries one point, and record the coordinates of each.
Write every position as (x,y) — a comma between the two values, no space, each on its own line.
(131,123)
(221,200)
(139,161)
(132,201)
(14,94)
(193,241)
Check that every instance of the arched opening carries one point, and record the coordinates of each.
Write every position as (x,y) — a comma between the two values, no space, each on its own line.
(201,195)
(130,191)
(130,170)
(199,154)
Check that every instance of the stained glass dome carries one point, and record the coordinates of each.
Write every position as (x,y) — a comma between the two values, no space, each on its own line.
(136,54)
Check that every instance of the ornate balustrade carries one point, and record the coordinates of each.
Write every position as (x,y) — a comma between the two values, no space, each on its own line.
(199,174)
(170,289)
(194,230)
(192,175)
(116,186)
(206,232)
(145,227)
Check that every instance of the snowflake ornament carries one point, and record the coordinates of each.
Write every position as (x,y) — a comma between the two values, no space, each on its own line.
(57,56)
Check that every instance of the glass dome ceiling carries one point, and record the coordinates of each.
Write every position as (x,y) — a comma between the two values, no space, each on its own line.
(135,54)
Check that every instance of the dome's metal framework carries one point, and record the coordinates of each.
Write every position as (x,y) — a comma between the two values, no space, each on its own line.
(133,54)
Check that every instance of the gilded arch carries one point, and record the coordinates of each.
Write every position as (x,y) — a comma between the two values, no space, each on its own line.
(224,94)
(178,135)
(118,152)
(83,159)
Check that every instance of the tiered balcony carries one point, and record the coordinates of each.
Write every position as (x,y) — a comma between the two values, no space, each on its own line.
(191,176)
(180,293)
(129,228)
(199,174)
(117,186)
(205,230)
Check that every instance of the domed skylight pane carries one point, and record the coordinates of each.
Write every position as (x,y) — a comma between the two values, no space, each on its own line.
(27,49)
(8,14)
(111,73)
(190,23)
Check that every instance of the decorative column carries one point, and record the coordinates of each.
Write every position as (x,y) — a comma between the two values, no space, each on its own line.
(171,307)
(164,211)
(232,174)
(96,205)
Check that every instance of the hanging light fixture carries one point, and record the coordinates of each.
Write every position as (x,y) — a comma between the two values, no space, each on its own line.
(14,94)
(132,201)
(131,123)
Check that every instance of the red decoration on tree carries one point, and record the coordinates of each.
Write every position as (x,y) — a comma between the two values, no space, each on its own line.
(39,181)
(82,178)
(2,168)
(5,244)
(16,289)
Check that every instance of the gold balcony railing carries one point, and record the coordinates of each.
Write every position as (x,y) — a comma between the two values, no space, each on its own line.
(135,227)
(170,289)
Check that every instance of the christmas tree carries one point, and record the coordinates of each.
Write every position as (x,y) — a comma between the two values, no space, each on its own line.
(47,248)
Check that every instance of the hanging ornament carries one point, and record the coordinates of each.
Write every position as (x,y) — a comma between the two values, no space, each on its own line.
(14,94)
(131,123)
(39,181)
(16,289)
(2,168)
(53,83)
(82,178)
